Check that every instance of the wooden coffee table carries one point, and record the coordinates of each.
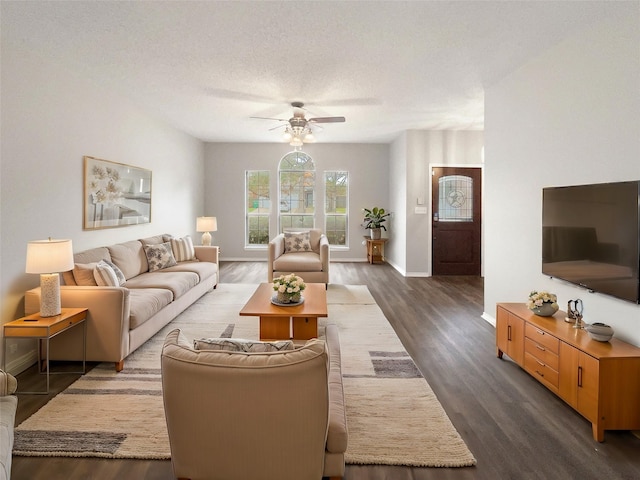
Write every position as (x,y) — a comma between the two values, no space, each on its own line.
(299,322)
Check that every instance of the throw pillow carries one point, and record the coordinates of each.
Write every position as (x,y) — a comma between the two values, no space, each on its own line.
(83,274)
(159,256)
(121,278)
(297,242)
(104,275)
(183,249)
(241,345)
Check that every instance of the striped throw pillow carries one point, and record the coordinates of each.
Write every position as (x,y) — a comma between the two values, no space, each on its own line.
(183,249)
(104,275)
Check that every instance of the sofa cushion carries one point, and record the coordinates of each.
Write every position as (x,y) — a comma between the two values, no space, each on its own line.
(159,256)
(130,258)
(241,345)
(177,282)
(204,270)
(297,242)
(298,263)
(104,275)
(144,303)
(83,274)
(183,249)
(93,255)
(156,239)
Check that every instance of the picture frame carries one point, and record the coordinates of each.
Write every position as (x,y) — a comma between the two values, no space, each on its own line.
(115,194)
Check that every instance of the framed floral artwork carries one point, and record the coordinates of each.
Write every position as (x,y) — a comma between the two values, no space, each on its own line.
(115,194)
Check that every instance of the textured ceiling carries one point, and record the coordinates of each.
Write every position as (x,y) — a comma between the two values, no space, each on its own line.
(207,67)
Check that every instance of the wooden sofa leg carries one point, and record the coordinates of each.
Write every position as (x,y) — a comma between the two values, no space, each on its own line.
(119,366)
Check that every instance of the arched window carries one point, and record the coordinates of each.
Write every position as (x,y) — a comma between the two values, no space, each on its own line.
(297,179)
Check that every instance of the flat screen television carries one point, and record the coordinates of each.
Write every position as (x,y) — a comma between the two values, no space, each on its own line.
(591,237)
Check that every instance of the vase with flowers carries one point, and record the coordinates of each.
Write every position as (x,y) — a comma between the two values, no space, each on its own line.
(542,303)
(288,289)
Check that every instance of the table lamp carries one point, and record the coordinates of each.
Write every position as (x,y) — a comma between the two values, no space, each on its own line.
(48,258)
(206,225)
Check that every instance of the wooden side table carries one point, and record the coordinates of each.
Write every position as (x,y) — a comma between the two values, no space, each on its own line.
(375,249)
(44,329)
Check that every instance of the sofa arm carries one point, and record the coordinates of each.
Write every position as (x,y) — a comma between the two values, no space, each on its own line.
(324,253)
(107,322)
(337,434)
(276,248)
(206,253)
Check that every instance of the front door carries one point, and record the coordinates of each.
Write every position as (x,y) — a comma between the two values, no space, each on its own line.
(456,228)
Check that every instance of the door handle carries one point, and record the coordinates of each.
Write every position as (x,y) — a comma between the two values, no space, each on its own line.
(580,376)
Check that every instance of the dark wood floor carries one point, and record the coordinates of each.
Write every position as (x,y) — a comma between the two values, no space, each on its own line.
(515,428)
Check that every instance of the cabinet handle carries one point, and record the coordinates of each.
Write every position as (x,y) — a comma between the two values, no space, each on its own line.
(580,376)
(540,331)
(541,348)
(509,332)
(540,363)
(540,373)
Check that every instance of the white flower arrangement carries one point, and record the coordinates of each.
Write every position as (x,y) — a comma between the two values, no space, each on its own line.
(537,299)
(289,284)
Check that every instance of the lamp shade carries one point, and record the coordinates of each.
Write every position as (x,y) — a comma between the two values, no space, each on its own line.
(206,224)
(49,256)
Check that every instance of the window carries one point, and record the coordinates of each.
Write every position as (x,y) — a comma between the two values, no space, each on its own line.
(297,185)
(455,202)
(258,203)
(336,207)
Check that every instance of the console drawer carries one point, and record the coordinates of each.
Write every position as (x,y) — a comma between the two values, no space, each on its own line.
(542,353)
(540,370)
(542,338)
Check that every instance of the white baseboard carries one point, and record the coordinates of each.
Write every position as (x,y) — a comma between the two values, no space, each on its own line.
(488,318)
(21,363)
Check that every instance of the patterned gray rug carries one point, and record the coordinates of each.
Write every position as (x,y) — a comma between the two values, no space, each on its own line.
(393,416)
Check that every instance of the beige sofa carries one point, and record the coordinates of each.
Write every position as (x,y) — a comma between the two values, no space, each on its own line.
(122,318)
(291,252)
(259,416)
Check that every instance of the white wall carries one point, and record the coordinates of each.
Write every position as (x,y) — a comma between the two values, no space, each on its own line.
(396,249)
(50,119)
(571,116)
(413,155)
(226,164)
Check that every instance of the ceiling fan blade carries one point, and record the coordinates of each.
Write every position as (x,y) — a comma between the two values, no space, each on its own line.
(270,118)
(277,127)
(327,120)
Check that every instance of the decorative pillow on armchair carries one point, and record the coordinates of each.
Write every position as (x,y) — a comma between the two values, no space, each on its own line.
(297,242)
(241,345)
(159,256)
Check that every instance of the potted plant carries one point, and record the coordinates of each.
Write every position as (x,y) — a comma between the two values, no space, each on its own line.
(374,219)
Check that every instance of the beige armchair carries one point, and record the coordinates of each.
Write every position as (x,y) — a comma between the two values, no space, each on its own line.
(290,252)
(259,416)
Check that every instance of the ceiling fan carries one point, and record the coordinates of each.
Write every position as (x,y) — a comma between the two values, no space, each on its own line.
(298,128)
